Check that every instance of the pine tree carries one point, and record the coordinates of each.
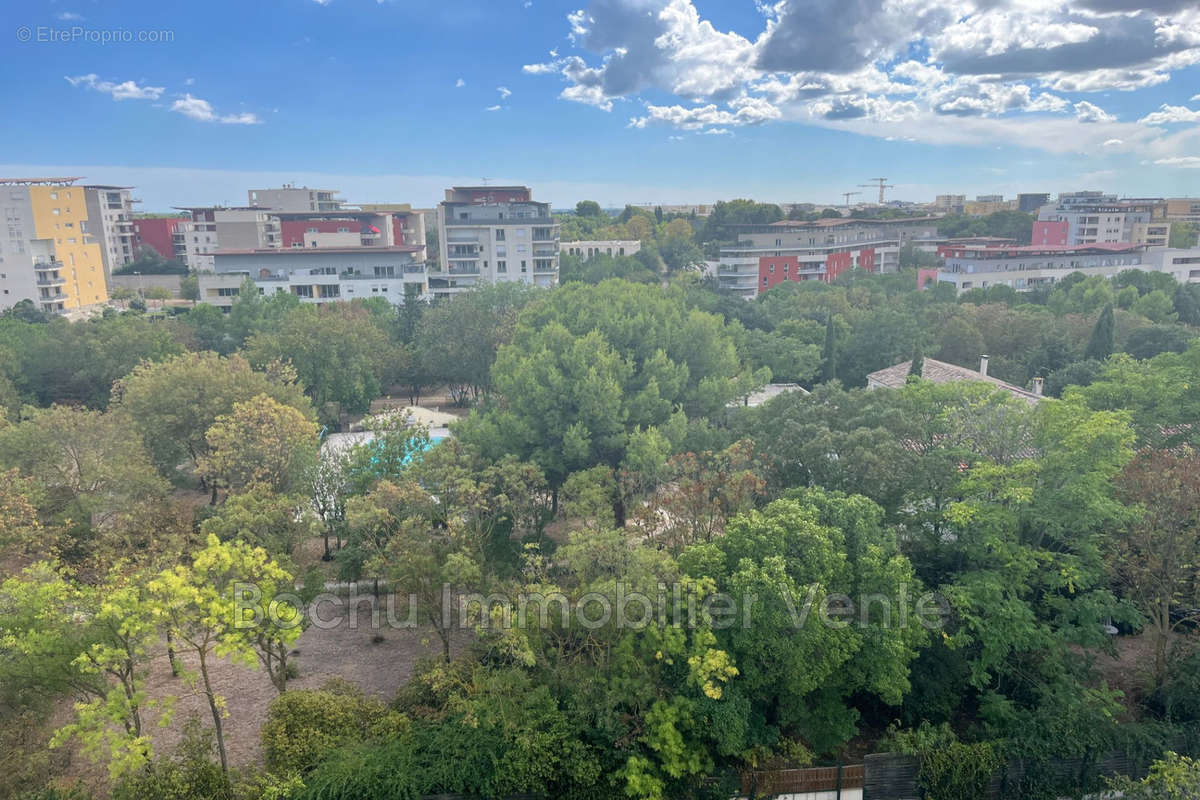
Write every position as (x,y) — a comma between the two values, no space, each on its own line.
(1104,336)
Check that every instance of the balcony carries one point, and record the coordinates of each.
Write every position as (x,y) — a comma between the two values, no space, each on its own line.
(43,266)
(51,280)
(461,271)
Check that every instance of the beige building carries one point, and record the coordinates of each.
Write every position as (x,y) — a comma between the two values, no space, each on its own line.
(1151,234)
(49,254)
(587,248)
(295,198)
(110,220)
(1183,209)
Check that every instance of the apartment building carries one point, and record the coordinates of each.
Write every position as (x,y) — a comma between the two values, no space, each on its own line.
(1033,266)
(110,220)
(1183,209)
(317,275)
(585,249)
(352,228)
(212,228)
(48,254)
(1030,202)
(1091,217)
(164,235)
(767,255)
(949,203)
(493,234)
(295,198)
(981,207)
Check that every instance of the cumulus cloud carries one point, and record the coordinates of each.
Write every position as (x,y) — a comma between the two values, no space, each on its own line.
(1168,114)
(504,91)
(1087,112)
(126,90)
(458,84)
(202,111)
(941,67)
(492,108)
(1187,162)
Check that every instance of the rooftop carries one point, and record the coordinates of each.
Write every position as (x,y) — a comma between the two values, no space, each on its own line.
(941,372)
(1053,249)
(65,181)
(308,251)
(837,221)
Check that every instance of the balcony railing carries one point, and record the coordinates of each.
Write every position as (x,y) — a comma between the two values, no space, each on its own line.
(51,281)
(41,266)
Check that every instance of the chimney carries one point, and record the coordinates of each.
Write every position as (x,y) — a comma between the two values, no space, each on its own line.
(1038,385)
(983,365)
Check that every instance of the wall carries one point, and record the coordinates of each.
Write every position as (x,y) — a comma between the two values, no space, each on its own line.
(140,283)
(1050,233)
(158,233)
(83,264)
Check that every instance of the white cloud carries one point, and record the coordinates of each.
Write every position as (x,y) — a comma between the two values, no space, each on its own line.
(68,16)
(504,91)
(492,108)
(189,82)
(1168,114)
(988,67)
(1113,142)
(127,90)
(1086,112)
(1187,162)
(458,84)
(202,111)
(718,132)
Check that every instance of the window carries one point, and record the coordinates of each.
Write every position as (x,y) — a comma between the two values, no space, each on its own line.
(523,267)
(501,266)
(500,234)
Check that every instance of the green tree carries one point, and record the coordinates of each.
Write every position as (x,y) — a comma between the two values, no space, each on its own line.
(587,208)
(261,518)
(341,354)
(1103,340)
(261,442)
(174,403)
(189,288)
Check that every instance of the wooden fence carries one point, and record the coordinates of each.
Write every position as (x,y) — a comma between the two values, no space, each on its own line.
(768,783)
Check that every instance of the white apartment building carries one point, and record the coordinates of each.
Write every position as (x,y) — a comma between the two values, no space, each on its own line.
(295,198)
(1091,217)
(586,248)
(494,234)
(319,275)
(110,221)
(1033,266)
(767,255)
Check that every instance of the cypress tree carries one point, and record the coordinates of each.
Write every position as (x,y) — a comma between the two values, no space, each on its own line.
(829,354)
(1104,336)
(917,367)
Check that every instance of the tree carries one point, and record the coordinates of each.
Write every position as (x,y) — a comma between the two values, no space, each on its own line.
(189,288)
(458,338)
(1174,777)
(174,403)
(261,442)
(829,351)
(1145,343)
(261,518)
(200,604)
(590,366)
(159,293)
(587,208)
(90,474)
(917,364)
(1154,558)
(341,356)
(960,343)
(1103,340)
(1183,235)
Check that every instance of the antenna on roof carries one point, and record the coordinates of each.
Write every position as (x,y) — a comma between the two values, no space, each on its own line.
(485,181)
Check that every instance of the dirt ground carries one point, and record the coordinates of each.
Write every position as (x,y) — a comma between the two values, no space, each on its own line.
(378,668)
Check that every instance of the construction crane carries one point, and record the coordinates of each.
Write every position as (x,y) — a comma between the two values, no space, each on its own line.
(879,183)
(848,195)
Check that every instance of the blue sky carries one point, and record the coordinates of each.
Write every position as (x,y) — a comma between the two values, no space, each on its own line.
(617,100)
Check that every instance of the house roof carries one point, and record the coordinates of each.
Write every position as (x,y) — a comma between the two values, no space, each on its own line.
(941,372)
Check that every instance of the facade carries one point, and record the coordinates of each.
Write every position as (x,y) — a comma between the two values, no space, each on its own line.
(49,254)
(317,275)
(1183,209)
(1030,202)
(214,228)
(110,221)
(164,235)
(950,203)
(1095,218)
(295,198)
(767,255)
(352,228)
(493,234)
(1034,266)
(1156,233)
(981,207)
(585,249)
